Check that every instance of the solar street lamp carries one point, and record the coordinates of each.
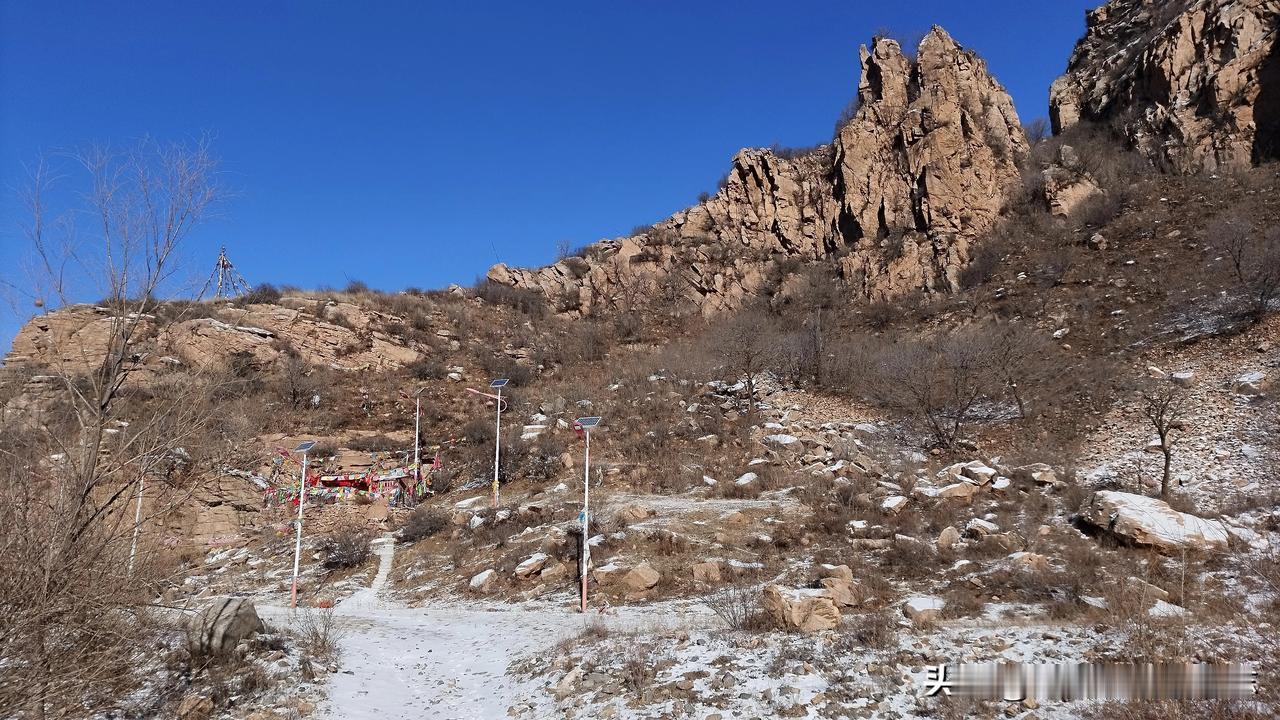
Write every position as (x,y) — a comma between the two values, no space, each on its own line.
(497,434)
(302,501)
(585,426)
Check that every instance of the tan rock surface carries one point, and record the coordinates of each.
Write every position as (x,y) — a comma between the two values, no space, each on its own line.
(1191,83)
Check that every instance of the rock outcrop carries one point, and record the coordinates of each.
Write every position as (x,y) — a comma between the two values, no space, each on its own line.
(1192,84)
(339,335)
(1152,523)
(891,205)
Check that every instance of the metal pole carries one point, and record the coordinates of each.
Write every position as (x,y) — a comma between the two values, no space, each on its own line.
(137,523)
(586,519)
(417,413)
(297,548)
(497,448)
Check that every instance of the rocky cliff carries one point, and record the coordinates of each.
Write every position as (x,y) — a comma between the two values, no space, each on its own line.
(1192,84)
(892,203)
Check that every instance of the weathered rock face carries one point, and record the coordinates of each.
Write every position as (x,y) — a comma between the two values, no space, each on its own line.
(927,157)
(1193,84)
(342,337)
(891,205)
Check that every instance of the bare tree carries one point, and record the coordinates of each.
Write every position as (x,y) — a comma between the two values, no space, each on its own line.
(746,344)
(1028,365)
(940,381)
(1037,130)
(1164,406)
(1255,261)
(73,600)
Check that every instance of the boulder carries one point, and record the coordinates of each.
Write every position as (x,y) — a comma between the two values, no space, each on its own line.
(978,472)
(801,610)
(923,608)
(531,565)
(948,538)
(842,572)
(1029,561)
(195,707)
(1151,522)
(963,490)
(893,504)
(482,582)
(981,528)
(841,591)
(641,578)
(633,513)
(710,572)
(554,572)
(1251,383)
(219,627)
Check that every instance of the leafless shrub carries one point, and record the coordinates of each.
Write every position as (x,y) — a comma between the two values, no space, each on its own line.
(318,632)
(423,522)
(1255,261)
(640,666)
(738,606)
(346,547)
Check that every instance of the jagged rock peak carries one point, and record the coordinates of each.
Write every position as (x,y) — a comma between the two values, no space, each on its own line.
(891,205)
(1194,85)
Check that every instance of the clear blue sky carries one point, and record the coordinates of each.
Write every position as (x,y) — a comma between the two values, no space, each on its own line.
(416,143)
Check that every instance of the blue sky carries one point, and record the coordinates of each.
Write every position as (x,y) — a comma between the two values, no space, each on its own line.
(415,144)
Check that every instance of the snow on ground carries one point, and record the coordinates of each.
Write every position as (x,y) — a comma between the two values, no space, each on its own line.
(447,662)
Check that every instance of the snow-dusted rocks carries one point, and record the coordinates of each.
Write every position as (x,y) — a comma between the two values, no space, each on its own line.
(981,528)
(893,504)
(531,565)
(781,439)
(803,610)
(1251,383)
(482,582)
(923,608)
(746,479)
(1149,521)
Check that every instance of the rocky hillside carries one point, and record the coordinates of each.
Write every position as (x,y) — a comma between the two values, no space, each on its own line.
(893,202)
(1193,84)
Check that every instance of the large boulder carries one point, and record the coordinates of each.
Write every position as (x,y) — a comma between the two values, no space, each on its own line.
(220,626)
(640,578)
(1151,522)
(803,610)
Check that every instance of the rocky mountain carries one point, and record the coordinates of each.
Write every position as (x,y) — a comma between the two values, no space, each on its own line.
(893,203)
(1192,84)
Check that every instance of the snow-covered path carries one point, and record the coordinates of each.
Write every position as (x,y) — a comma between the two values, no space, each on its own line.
(448,663)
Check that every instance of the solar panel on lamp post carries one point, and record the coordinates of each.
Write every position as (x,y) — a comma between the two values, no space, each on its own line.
(497,435)
(302,501)
(586,425)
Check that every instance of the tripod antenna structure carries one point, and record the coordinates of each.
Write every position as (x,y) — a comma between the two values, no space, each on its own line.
(225,279)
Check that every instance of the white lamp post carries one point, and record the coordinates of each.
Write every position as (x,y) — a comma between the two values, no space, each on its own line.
(302,501)
(586,425)
(417,415)
(497,435)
